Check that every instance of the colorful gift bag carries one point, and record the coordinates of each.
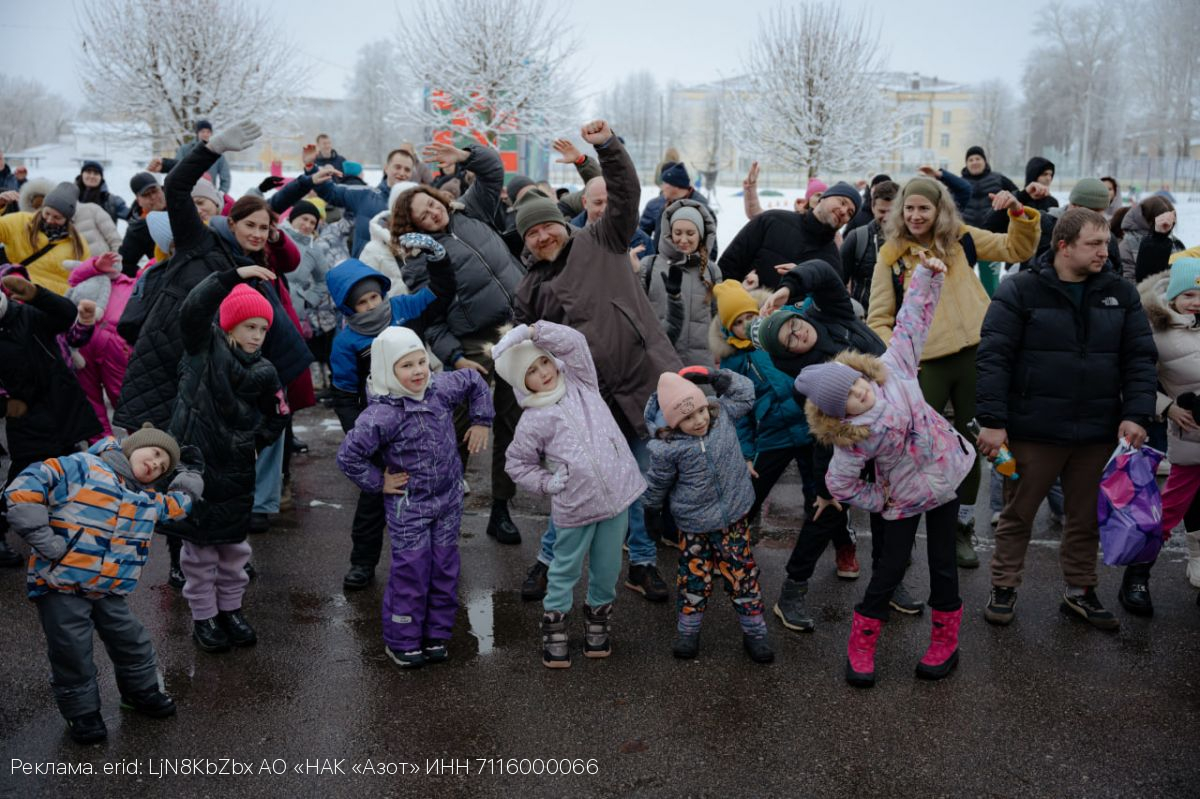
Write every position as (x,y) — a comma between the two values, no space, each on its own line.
(1129,506)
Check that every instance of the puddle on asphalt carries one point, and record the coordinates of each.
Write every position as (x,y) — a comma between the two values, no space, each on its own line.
(482,620)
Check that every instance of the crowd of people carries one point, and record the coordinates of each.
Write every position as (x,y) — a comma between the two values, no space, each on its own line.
(153,356)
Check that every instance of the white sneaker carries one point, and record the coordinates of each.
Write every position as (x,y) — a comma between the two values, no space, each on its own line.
(466,487)
(1193,564)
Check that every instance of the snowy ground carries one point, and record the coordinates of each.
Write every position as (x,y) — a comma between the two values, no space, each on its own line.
(726,202)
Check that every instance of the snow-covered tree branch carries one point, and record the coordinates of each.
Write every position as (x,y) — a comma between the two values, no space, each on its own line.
(810,97)
(163,64)
(501,66)
(32,114)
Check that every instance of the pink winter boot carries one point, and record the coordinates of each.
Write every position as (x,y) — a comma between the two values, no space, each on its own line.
(860,652)
(942,655)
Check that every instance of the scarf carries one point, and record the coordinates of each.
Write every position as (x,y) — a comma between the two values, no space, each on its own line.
(373,322)
(543,399)
(55,232)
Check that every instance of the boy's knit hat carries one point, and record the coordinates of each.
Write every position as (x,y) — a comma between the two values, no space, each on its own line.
(515,361)
(62,198)
(364,286)
(1090,193)
(815,186)
(151,436)
(678,397)
(204,189)
(351,169)
(827,385)
(1185,276)
(388,347)
(244,303)
(732,301)
(765,333)
(141,182)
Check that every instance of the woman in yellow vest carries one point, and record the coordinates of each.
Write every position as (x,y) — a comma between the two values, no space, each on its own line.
(48,234)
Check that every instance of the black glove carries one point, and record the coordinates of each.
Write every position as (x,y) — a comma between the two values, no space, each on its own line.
(673,280)
(270,184)
(654,523)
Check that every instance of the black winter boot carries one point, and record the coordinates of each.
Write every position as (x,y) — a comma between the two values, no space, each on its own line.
(153,703)
(210,636)
(501,526)
(237,628)
(1134,594)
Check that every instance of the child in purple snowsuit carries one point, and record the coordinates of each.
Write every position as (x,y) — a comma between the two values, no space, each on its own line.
(408,426)
(568,445)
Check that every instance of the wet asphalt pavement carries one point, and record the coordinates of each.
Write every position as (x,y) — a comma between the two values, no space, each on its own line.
(1046,707)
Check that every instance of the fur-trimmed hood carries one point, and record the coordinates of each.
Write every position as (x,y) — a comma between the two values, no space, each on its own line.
(33,188)
(835,432)
(718,336)
(1153,291)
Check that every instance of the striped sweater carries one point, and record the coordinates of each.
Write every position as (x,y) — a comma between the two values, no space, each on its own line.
(106,520)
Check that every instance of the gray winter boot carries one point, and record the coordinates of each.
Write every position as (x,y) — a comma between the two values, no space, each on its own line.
(792,607)
(595,640)
(964,546)
(555,651)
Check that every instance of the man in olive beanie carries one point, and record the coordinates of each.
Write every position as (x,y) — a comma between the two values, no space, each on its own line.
(534,209)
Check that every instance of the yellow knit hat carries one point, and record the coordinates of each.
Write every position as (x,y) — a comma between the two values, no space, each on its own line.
(732,301)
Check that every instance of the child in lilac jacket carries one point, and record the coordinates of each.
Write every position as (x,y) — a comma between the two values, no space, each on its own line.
(568,445)
(872,408)
(404,447)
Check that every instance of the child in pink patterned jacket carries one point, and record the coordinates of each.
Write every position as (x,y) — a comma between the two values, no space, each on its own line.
(872,409)
(568,445)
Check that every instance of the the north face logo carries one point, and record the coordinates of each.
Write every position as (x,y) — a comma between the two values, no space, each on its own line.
(1110,302)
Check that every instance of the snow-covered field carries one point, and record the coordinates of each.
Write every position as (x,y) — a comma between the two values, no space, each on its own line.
(725,201)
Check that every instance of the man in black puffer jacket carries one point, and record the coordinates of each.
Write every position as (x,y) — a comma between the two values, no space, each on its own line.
(1066,367)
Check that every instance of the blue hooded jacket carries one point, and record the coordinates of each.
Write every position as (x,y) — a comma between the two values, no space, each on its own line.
(348,343)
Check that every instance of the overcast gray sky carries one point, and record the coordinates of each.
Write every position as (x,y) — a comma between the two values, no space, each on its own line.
(693,42)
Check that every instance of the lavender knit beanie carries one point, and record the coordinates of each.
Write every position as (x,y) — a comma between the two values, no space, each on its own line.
(827,385)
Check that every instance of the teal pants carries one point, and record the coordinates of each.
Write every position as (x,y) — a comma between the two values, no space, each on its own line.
(989,276)
(602,543)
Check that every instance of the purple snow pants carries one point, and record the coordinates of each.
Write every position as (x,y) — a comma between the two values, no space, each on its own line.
(422,591)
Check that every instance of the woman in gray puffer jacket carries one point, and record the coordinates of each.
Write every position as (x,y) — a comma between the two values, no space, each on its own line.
(696,462)
(679,279)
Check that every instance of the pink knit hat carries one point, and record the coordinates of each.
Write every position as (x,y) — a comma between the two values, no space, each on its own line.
(678,397)
(244,303)
(815,186)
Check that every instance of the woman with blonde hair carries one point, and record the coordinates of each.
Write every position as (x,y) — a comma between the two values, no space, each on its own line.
(42,240)
(928,223)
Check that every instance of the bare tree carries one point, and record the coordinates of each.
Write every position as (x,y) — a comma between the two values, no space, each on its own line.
(1073,82)
(634,107)
(377,86)
(994,121)
(500,66)
(32,114)
(1168,73)
(810,98)
(163,64)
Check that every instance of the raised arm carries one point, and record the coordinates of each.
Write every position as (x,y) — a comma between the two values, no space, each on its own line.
(189,231)
(615,228)
(483,197)
(916,317)
(569,346)
(819,280)
(201,305)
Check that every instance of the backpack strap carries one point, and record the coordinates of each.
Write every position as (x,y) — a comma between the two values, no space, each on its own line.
(860,242)
(968,245)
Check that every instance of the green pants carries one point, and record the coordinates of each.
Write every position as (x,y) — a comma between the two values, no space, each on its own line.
(951,378)
(989,276)
(602,541)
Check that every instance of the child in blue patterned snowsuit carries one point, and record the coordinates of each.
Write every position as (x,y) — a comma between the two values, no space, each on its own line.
(408,427)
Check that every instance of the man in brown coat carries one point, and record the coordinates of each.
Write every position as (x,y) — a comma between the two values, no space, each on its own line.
(583,279)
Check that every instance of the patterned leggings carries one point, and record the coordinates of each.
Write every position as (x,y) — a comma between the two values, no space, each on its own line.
(727,552)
